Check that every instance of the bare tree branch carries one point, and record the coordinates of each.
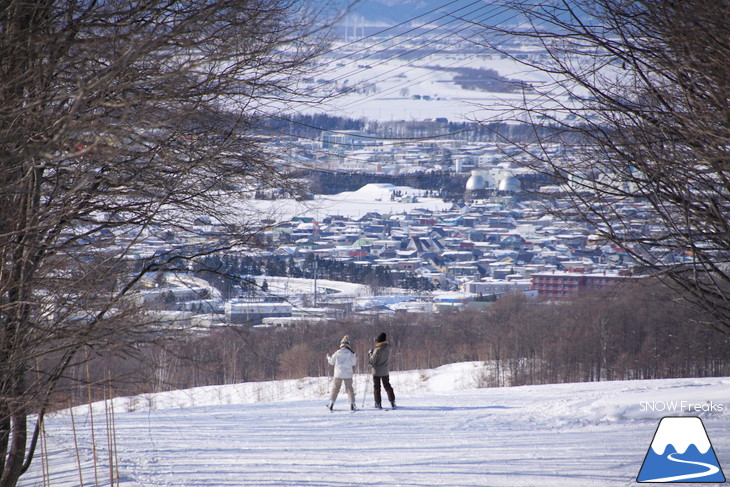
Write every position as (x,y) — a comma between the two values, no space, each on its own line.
(121,123)
(636,120)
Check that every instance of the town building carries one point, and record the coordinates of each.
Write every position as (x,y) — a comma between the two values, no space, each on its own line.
(563,284)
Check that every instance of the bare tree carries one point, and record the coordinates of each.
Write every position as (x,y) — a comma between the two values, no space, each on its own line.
(635,126)
(123,126)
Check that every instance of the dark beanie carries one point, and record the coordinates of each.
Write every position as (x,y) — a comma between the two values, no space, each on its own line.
(381,338)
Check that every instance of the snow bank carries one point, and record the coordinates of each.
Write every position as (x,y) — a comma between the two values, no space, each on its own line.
(590,402)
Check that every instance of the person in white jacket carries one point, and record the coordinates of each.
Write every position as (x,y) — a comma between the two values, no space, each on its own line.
(344,360)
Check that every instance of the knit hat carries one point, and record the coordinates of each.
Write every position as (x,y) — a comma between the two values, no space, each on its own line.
(345,340)
(381,338)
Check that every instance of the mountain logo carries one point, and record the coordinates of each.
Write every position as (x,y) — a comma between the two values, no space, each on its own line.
(681,452)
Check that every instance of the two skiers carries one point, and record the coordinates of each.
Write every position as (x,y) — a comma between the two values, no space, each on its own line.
(344,360)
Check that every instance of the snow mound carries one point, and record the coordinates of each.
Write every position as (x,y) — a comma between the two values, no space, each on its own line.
(579,403)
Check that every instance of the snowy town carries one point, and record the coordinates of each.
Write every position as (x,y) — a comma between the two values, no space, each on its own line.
(386,249)
(394,244)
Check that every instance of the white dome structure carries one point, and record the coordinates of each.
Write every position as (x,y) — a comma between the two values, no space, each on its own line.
(509,183)
(476,181)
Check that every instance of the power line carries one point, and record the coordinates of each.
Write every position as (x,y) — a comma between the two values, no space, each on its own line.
(409,51)
(369,47)
(409,82)
(401,54)
(411,63)
(493,12)
(393,27)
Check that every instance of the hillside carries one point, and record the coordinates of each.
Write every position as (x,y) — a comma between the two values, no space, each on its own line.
(446,432)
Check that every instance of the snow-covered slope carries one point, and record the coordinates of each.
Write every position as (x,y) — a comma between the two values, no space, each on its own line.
(446,432)
(352,204)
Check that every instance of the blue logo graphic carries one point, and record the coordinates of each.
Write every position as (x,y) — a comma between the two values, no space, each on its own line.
(681,452)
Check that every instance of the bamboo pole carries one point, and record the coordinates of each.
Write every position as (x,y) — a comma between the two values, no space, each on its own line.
(110,452)
(112,435)
(116,450)
(44,458)
(91,420)
(76,445)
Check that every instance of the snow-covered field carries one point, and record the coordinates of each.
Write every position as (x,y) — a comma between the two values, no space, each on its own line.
(446,432)
(353,204)
(421,88)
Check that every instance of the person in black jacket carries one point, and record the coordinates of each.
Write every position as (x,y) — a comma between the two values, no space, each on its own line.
(378,359)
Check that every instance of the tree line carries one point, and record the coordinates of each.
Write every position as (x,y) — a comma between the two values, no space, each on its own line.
(311,126)
(637,331)
(233,274)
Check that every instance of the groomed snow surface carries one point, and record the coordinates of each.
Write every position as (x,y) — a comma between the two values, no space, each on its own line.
(445,432)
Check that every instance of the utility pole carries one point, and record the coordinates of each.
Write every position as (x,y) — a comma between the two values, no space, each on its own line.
(315,282)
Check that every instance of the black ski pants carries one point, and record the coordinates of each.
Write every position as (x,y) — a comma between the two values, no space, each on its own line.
(386,384)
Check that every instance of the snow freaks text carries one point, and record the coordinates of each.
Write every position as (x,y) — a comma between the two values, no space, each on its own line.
(681,406)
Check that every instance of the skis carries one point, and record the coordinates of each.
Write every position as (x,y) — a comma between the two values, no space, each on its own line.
(332,409)
(393,406)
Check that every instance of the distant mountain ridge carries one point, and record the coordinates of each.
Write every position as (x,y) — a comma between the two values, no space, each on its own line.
(392,12)
(386,13)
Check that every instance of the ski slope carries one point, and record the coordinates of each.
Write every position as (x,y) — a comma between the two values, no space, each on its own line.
(445,432)
(351,204)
